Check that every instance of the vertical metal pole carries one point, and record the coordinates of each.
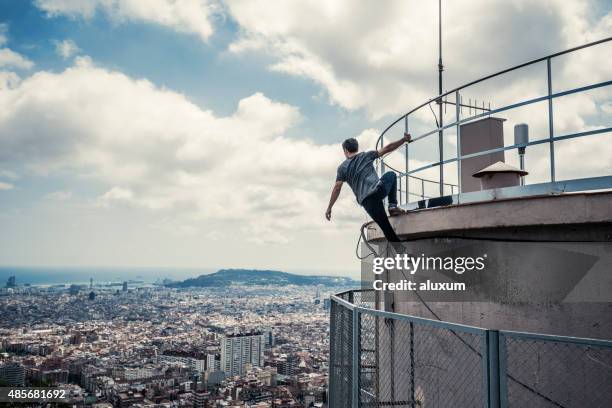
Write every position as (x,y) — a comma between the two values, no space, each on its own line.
(332,352)
(377,345)
(440,69)
(342,357)
(399,187)
(458,118)
(407,154)
(493,368)
(391,324)
(355,360)
(522,167)
(423,189)
(503,372)
(551,128)
(412,382)
(382,163)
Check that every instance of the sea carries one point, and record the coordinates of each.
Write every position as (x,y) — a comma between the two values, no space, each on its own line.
(100,275)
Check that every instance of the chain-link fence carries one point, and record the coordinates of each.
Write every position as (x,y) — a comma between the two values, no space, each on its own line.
(383,359)
(550,371)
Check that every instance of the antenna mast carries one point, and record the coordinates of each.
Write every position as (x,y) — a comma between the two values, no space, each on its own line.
(441,119)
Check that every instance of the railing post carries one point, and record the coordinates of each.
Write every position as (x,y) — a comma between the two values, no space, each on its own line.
(458,117)
(423,188)
(399,186)
(382,161)
(551,128)
(492,373)
(356,359)
(407,163)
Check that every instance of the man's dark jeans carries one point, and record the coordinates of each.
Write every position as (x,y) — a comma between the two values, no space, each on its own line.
(374,206)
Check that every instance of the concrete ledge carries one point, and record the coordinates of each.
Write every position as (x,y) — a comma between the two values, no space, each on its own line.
(549,210)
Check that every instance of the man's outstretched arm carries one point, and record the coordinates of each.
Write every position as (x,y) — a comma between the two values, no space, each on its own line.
(394,145)
(332,200)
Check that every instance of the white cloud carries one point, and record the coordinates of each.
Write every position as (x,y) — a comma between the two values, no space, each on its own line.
(186,16)
(10,58)
(66,48)
(8,79)
(6,186)
(384,59)
(152,148)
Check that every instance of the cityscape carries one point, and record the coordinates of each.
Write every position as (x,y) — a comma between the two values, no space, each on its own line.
(140,344)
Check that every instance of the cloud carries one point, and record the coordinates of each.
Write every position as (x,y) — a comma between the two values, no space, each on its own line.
(185,16)
(8,79)
(66,48)
(6,186)
(153,148)
(10,58)
(384,59)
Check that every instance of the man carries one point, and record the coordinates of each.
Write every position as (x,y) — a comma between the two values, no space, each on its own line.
(358,171)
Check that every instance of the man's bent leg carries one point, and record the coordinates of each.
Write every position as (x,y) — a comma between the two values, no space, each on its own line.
(376,209)
(389,183)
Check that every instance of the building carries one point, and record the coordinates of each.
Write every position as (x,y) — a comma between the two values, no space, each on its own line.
(125,288)
(240,350)
(12,374)
(10,283)
(290,366)
(200,399)
(523,320)
(212,362)
(193,363)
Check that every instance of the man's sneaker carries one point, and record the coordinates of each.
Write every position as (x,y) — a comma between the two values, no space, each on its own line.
(396,211)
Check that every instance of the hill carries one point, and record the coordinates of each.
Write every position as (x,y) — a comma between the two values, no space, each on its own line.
(225,277)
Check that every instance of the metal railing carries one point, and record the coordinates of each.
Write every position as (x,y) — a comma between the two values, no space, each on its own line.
(384,359)
(552,186)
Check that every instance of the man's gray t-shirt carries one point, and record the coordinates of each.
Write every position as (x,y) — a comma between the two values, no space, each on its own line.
(359,173)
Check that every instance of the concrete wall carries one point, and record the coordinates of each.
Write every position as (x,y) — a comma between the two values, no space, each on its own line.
(549,270)
(549,264)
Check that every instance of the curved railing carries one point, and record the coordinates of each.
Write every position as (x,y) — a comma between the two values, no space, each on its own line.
(384,359)
(407,175)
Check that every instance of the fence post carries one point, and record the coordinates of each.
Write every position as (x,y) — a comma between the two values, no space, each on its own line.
(412,387)
(551,127)
(331,391)
(356,359)
(382,160)
(422,189)
(407,154)
(458,118)
(492,356)
(503,372)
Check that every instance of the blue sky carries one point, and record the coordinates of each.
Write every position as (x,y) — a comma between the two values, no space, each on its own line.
(204,133)
(206,72)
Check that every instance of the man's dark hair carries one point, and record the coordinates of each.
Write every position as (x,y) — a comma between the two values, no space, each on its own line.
(350,145)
